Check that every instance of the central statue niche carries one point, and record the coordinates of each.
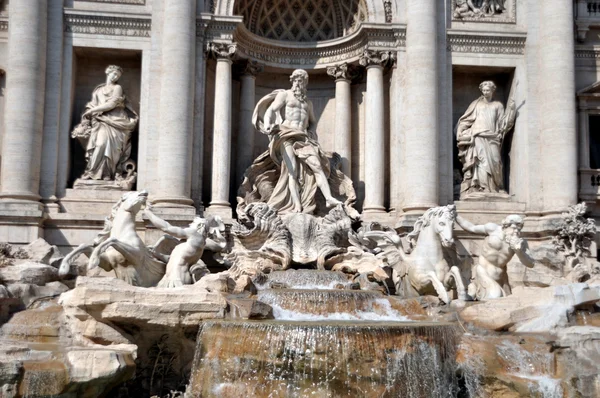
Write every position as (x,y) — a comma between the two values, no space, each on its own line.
(294,175)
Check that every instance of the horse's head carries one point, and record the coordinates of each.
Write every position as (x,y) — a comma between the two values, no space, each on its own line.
(443,223)
(441,220)
(132,202)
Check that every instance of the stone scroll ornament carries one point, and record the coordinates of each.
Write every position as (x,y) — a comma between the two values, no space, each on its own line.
(480,133)
(294,175)
(105,133)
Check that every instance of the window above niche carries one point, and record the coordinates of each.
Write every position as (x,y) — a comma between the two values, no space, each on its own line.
(302,20)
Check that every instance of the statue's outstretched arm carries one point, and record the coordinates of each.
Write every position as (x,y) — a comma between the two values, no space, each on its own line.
(165,226)
(470,227)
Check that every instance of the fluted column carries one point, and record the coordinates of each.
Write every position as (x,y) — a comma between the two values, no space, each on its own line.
(245,143)
(176,103)
(421,135)
(557,105)
(343,115)
(375,131)
(221,161)
(24,111)
(54,65)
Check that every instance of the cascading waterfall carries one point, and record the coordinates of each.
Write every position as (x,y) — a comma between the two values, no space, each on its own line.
(307,351)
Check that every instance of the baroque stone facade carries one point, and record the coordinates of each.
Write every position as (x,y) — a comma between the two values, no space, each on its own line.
(389,81)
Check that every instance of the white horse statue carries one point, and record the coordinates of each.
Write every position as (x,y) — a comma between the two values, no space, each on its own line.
(118,247)
(425,270)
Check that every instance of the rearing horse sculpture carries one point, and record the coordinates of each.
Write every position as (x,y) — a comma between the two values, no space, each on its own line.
(425,270)
(118,247)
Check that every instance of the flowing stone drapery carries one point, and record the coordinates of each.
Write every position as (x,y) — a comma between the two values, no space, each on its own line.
(245,144)
(24,109)
(176,103)
(343,115)
(557,105)
(221,163)
(375,130)
(421,181)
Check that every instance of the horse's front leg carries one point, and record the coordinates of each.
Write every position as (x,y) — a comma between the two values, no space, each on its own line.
(95,258)
(454,273)
(65,265)
(133,255)
(431,277)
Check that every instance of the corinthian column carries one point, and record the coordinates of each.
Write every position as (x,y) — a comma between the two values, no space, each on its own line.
(176,103)
(375,130)
(221,163)
(557,105)
(245,143)
(24,109)
(343,115)
(421,136)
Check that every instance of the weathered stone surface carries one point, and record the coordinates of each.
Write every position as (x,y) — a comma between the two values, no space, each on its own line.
(27,292)
(248,308)
(42,252)
(219,282)
(531,309)
(109,299)
(29,272)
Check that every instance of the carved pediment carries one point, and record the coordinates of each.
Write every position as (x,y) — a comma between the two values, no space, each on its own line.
(592,90)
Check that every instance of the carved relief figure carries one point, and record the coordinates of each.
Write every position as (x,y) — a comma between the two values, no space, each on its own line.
(489,278)
(199,235)
(105,132)
(290,173)
(478,8)
(479,134)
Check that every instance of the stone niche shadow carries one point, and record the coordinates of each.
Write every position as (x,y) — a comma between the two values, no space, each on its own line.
(465,89)
(89,66)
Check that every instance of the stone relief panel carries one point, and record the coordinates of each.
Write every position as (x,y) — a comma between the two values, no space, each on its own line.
(105,25)
(490,11)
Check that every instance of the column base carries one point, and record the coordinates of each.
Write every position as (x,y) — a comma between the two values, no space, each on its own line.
(21,221)
(220,209)
(377,215)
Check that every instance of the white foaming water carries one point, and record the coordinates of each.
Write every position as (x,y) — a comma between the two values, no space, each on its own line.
(535,366)
(386,313)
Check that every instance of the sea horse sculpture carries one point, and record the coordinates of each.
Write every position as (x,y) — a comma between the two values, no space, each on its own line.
(424,269)
(118,246)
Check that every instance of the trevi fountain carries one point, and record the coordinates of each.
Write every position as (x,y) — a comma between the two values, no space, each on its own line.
(299,198)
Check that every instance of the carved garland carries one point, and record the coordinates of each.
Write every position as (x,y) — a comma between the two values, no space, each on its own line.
(103,25)
(514,45)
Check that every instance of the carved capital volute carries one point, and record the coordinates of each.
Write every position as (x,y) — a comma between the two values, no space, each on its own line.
(221,51)
(340,72)
(377,58)
(252,68)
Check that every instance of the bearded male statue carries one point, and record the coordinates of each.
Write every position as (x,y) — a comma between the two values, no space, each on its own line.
(489,278)
(294,175)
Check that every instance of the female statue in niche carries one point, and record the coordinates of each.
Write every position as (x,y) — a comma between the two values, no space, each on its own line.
(479,134)
(105,132)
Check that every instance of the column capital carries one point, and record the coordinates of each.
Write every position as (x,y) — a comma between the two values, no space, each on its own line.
(342,72)
(377,58)
(252,68)
(221,51)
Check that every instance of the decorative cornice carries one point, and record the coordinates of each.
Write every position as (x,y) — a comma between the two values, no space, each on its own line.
(468,43)
(134,2)
(107,25)
(510,17)
(388,37)
(377,58)
(220,28)
(591,53)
